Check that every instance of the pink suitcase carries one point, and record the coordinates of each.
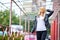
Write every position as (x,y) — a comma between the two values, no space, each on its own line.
(30,37)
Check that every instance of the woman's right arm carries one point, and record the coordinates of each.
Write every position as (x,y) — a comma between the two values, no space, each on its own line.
(34,26)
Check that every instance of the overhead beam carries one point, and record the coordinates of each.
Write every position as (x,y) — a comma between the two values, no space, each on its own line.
(19,7)
(3,4)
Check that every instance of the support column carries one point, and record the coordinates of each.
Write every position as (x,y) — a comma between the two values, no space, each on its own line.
(25,24)
(20,18)
(28,25)
(10,16)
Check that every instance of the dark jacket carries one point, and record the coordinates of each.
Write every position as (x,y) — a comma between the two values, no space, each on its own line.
(46,20)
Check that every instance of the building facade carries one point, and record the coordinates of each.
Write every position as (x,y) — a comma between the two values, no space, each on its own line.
(27,4)
(56,7)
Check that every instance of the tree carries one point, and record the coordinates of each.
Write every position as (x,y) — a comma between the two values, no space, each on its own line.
(4,18)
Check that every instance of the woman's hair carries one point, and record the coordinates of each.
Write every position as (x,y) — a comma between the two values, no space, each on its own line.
(41,9)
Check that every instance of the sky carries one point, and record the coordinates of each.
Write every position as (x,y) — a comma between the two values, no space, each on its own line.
(16,9)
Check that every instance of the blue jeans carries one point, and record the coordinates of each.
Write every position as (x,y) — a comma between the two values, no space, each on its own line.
(41,35)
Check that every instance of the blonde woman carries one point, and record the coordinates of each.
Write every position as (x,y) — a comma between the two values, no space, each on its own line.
(41,22)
